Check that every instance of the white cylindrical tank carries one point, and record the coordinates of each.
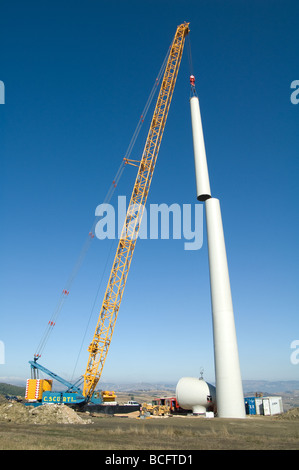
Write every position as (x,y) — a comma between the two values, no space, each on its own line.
(195,394)
(230,398)
(200,159)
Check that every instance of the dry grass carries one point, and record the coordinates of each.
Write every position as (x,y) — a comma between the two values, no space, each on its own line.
(115,433)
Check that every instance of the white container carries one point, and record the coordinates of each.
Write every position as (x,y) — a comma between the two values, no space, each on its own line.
(196,395)
(259,406)
(272,406)
(266,406)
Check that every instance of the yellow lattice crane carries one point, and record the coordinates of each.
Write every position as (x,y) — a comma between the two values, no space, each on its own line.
(99,346)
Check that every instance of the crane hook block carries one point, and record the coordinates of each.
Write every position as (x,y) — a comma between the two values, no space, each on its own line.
(192,80)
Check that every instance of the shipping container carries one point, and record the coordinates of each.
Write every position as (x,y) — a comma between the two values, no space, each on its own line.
(250,405)
(259,406)
(272,405)
(266,406)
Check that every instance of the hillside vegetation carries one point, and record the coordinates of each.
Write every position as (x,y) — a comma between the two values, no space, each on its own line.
(7,389)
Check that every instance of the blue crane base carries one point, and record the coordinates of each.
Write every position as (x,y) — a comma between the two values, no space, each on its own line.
(72,396)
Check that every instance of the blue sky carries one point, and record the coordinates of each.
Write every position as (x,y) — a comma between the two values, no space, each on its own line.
(77,76)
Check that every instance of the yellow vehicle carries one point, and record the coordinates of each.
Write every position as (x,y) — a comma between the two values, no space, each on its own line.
(108,396)
(155,408)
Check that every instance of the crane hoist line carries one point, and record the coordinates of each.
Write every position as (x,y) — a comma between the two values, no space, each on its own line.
(99,346)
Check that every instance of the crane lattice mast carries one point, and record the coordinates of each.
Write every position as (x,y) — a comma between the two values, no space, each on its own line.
(99,346)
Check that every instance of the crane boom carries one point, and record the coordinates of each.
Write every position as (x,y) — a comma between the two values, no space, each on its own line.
(99,346)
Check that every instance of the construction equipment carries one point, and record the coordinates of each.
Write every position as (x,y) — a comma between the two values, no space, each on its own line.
(171,403)
(108,396)
(161,407)
(101,341)
(154,409)
(99,346)
(39,391)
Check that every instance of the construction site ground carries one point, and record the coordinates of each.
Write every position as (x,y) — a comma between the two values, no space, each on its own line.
(58,427)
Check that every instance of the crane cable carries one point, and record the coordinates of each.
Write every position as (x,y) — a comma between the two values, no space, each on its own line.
(189,55)
(65,292)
